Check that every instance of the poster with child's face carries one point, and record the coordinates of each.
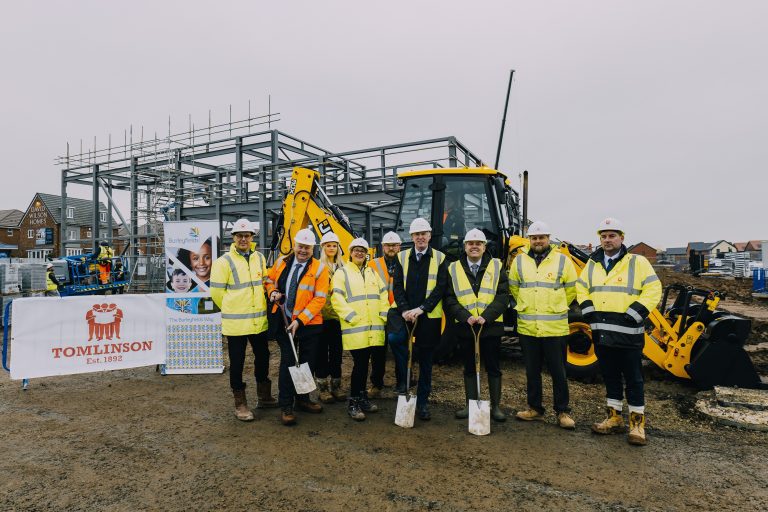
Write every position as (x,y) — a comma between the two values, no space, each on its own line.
(190,248)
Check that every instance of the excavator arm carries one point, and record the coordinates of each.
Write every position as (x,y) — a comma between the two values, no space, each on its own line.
(306,204)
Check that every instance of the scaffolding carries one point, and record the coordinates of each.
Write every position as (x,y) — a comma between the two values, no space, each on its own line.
(232,170)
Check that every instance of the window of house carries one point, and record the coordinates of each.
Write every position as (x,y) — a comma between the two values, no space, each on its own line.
(73,251)
(88,234)
(9,232)
(103,216)
(70,212)
(73,234)
(30,233)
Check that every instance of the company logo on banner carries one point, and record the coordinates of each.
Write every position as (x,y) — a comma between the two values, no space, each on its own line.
(127,333)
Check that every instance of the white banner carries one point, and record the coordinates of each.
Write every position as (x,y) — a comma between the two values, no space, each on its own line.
(193,320)
(64,336)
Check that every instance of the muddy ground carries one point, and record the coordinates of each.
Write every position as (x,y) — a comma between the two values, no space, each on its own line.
(135,440)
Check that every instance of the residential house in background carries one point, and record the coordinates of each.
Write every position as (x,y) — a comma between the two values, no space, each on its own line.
(676,255)
(9,233)
(644,249)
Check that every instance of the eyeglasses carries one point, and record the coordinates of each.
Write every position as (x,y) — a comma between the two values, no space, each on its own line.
(358,250)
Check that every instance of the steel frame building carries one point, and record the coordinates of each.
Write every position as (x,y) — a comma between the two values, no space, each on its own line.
(235,170)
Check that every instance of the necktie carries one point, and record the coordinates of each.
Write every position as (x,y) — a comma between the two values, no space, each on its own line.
(418,256)
(609,266)
(474,268)
(292,289)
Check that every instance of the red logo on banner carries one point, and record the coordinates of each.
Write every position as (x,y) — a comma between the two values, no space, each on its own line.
(104,321)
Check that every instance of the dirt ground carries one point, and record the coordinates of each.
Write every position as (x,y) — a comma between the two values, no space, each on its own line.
(135,440)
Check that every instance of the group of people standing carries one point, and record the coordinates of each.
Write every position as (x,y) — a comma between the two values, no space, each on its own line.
(338,303)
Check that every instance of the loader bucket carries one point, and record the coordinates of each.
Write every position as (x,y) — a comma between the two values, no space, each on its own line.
(720,363)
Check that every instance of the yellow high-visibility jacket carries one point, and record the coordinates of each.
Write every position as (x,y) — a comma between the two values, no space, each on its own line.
(237,287)
(542,293)
(465,295)
(617,303)
(435,260)
(361,301)
(49,284)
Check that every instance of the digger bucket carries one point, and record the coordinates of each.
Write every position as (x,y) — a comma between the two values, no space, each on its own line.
(719,363)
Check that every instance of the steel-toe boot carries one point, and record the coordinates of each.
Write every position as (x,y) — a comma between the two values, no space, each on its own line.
(336,390)
(264,394)
(637,429)
(324,394)
(565,421)
(612,424)
(374,392)
(242,412)
(530,414)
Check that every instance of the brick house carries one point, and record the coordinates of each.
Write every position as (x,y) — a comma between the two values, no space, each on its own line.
(40,227)
(9,232)
(644,249)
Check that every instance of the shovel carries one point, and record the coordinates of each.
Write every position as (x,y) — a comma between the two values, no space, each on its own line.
(479,410)
(301,375)
(406,403)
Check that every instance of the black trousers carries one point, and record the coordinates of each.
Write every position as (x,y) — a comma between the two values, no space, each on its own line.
(553,351)
(378,365)
(329,350)
(236,349)
(622,369)
(490,351)
(360,360)
(306,346)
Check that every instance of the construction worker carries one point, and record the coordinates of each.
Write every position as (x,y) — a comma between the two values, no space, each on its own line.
(360,299)
(51,283)
(477,298)
(329,348)
(104,261)
(419,282)
(297,283)
(542,281)
(237,288)
(384,267)
(617,291)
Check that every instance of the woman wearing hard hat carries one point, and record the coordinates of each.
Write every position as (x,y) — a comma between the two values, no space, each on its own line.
(329,347)
(360,299)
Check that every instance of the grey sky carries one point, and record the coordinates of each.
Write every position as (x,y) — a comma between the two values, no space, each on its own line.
(655,112)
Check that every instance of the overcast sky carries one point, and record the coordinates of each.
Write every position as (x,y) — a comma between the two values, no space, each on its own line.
(654,112)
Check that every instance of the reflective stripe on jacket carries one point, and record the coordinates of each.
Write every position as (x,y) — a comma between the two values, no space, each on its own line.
(618,302)
(542,293)
(380,266)
(476,304)
(436,259)
(360,300)
(237,287)
(311,294)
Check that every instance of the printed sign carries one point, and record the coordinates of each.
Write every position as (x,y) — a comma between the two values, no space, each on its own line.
(190,248)
(55,336)
(194,335)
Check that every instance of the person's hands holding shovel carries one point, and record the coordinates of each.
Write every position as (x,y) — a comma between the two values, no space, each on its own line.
(292,327)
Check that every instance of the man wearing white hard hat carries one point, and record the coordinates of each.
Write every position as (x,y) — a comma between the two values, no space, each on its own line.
(297,283)
(419,282)
(617,291)
(477,299)
(237,288)
(385,268)
(360,299)
(51,283)
(542,280)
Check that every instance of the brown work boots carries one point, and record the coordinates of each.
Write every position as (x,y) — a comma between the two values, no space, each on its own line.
(264,392)
(324,393)
(242,412)
(612,424)
(637,429)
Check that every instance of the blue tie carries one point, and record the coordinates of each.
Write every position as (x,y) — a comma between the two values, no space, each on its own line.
(293,287)
(609,266)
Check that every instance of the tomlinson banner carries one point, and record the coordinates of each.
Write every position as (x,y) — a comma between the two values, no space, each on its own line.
(63,336)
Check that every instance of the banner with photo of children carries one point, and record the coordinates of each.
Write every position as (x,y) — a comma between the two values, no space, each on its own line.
(193,321)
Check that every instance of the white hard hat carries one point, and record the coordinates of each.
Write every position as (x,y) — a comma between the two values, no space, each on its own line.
(242,226)
(358,242)
(50,265)
(475,235)
(390,237)
(329,237)
(418,225)
(610,224)
(538,228)
(305,236)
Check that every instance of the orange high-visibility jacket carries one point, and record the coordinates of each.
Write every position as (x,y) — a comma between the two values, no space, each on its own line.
(380,267)
(312,292)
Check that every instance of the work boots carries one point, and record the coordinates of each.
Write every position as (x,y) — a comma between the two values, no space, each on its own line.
(374,391)
(365,404)
(336,390)
(637,429)
(612,424)
(470,391)
(494,387)
(353,409)
(242,412)
(264,393)
(324,394)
